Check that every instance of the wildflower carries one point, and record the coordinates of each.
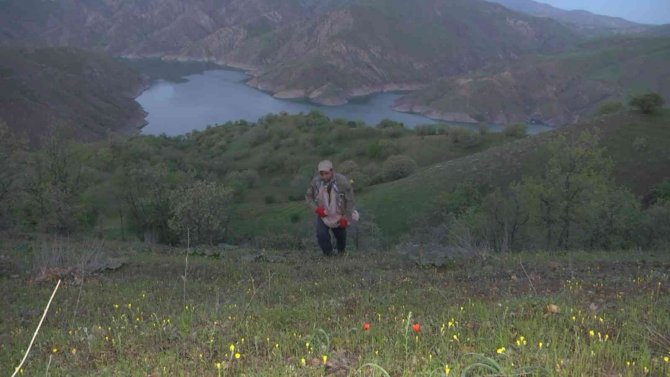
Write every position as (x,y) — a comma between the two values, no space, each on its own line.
(521,341)
(666,359)
(237,355)
(592,333)
(500,350)
(540,345)
(303,362)
(366,326)
(232,348)
(116,306)
(73,351)
(416,328)
(325,359)
(54,350)
(218,366)
(456,337)
(446,369)
(130,306)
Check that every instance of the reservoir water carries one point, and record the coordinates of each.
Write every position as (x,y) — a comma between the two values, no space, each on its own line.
(191,96)
(217,96)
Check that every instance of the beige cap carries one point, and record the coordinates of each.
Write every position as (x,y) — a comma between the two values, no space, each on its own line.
(325,165)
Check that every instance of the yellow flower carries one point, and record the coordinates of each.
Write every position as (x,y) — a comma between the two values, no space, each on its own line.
(218,366)
(446,369)
(73,351)
(521,341)
(237,355)
(592,333)
(303,362)
(116,306)
(232,348)
(456,337)
(540,345)
(54,350)
(325,359)
(500,350)
(666,359)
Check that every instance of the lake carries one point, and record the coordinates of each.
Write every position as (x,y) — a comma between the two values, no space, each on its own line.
(185,96)
(218,96)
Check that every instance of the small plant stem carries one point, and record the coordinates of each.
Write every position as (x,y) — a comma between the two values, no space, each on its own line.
(39,325)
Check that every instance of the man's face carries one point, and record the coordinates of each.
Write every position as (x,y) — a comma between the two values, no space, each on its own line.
(326,175)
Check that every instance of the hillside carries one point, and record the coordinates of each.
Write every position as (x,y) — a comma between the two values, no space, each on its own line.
(252,312)
(557,90)
(89,94)
(416,197)
(325,51)
(581,21)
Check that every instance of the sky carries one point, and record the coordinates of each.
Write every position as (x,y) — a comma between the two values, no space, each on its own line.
(644,11)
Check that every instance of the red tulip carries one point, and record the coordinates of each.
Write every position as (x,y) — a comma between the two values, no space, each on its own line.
(416,327)
(366,326)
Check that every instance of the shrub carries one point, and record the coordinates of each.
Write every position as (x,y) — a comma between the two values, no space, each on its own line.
(426,130)
(464,137)
(516,130)
(398,166)
(611,107)
(647,103)
(382,149)
(640,144)
(201,210)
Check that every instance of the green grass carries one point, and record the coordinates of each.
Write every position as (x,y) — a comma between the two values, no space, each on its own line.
(135,322)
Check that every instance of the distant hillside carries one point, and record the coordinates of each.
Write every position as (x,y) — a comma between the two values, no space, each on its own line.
(558,89)
(326,51)
(90,94)
(580,20)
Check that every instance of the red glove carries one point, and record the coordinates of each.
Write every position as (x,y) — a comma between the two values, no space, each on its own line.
(320,211)
(343,222)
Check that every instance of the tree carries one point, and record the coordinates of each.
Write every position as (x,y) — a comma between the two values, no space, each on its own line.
(201,211)
(55,184)
(647,103)
(576,183)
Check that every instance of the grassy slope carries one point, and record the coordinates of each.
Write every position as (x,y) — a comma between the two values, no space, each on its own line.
(136,321)
(396,205)
(558,86)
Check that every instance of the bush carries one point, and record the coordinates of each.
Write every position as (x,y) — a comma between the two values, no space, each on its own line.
(464,137)
(611,107)
(647,103)
(426,130)
(201,210)
(516,130)
(640,144)
(382,149)
(398,166)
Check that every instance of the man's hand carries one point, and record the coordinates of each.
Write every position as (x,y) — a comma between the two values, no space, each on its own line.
(320,211)
(343,222)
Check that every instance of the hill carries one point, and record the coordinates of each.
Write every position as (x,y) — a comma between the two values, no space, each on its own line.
(584,22)
(326,51)
(558,90)
(90,94)
(417,197)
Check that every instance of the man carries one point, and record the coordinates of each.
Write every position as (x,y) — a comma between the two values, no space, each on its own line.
(331,197)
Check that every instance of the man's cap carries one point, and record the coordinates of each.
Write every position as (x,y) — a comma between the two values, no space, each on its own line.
(325,165)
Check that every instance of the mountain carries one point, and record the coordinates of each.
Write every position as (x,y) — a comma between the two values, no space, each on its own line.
(327,51)
(584,22)
(557,90)
(90,94)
